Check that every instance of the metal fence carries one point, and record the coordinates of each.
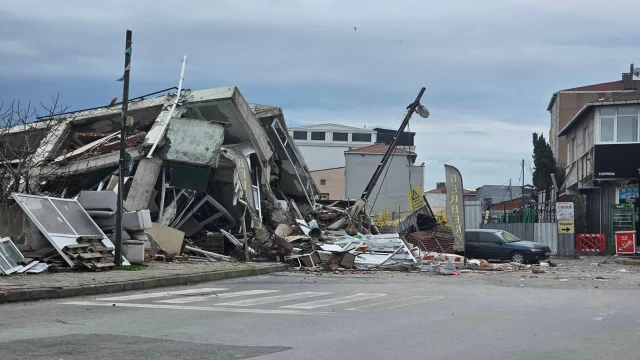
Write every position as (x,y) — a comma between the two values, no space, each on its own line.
(472,214)
(567,245)
(544,233)
(514,212)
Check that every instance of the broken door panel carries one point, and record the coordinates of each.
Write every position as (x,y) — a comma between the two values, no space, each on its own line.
(10,256)
(208,212)
(62,221)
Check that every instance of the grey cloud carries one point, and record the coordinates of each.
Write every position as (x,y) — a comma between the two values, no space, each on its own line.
(489,66)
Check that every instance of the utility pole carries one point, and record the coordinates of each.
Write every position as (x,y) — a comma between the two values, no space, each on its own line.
(391,148)
(510,191)
(522,190)
(123,140)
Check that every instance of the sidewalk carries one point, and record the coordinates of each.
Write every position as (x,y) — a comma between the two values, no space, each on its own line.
(157,274)
(635,261)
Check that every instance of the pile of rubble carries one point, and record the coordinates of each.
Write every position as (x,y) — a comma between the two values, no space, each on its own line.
(206,177)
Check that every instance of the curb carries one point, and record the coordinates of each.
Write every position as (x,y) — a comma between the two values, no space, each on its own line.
(634,262)
(142,284)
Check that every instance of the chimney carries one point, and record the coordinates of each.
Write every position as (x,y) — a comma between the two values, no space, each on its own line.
(440,185)
(627,79)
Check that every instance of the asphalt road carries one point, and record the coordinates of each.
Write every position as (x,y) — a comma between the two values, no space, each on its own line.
(304,316)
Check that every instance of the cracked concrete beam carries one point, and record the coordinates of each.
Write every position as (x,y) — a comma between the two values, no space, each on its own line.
(144,180)
(83,165)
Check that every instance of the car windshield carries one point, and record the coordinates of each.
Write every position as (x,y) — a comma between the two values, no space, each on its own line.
(508,237)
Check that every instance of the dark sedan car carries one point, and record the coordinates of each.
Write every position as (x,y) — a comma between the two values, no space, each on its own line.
(502,245)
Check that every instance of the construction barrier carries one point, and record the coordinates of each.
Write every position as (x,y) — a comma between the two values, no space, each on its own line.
(591,242)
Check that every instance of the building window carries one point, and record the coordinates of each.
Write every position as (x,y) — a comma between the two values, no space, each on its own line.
(361,137)
(618,125)
(317,135)
(300,135)
(627,129)
(607,126)
(340,136)
(323,182)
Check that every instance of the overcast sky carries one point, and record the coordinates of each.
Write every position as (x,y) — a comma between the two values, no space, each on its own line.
(490,67)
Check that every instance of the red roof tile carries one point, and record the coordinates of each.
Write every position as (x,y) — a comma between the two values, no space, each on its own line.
(608,86)
(628,96)
(376,149)
(436,191)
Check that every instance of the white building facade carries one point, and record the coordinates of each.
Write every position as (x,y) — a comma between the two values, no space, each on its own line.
(323,145)
(390,192)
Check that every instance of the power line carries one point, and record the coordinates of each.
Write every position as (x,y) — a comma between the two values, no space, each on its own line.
(496,190)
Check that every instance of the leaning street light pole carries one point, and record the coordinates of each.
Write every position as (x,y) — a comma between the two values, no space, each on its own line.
(414,107)
(123,140)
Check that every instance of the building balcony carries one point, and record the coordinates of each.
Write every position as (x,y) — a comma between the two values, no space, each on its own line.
(580,174)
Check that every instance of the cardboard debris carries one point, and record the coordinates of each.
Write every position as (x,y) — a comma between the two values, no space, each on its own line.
(169,239)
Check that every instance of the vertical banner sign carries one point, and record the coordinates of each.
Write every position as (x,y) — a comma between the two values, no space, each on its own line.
(565,217)
(455,206)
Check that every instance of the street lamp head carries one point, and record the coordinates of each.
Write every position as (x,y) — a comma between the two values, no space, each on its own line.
(422,111)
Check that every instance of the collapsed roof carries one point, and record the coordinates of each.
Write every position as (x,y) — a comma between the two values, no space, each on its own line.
(214,146)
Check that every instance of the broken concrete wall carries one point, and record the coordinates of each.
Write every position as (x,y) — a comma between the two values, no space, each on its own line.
(17,226)
(194,141)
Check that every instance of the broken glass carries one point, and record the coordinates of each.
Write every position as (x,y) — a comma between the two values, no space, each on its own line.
(77,217)
(10,256)
(44,212)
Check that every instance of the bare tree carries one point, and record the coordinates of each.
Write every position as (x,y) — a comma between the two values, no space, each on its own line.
(23,131)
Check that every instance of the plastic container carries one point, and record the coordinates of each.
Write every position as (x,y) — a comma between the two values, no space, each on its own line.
(544,265)
(133,251)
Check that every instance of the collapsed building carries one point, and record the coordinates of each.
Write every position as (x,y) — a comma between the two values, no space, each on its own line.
(204,162)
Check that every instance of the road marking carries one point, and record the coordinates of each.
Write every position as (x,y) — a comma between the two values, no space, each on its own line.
(195,308)
(272,299)
(334,301)
(429,298)
(398,303)
(190,299)
(160,294)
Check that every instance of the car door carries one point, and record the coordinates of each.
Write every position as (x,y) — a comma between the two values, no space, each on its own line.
(492,246)
(472,247)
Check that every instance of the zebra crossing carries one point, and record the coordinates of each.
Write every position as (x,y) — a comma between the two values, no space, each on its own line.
(269,301)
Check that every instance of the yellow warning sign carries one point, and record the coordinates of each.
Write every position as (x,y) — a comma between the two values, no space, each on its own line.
(416,199)
(566,227)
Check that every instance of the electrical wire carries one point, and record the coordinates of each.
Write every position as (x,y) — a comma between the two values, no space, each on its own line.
(496,190)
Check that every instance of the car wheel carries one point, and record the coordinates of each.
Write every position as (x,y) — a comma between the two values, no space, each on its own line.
(518,257)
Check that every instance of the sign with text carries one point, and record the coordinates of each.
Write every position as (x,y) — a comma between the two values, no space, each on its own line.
(625,242)
(616,161)
(455,206)
(416,198)
(565,217)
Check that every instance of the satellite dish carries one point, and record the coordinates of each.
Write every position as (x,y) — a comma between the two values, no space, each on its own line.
(636,72)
